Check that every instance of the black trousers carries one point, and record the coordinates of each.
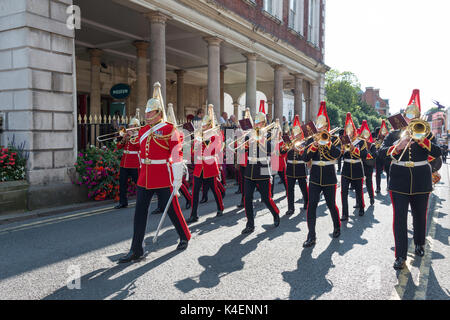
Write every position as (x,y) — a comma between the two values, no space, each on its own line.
(387,168)
(207,183)
(339,163)
(144,196)
(242,172)
(379,171)
(282,177)
(358,186)
(419,204)
(291,191)
(263,187)
(368,172)
(329,193)
(125,173)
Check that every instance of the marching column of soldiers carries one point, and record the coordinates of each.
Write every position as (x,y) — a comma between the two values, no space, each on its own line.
(153,158)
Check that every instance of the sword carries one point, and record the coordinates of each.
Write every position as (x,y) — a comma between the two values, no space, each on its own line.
(164,215)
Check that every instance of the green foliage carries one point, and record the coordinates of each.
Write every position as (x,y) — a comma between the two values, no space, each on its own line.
(343,94)
(98,169)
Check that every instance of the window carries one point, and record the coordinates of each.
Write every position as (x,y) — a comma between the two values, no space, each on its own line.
(296,15)
(313,21)
(377,105)
(274,7)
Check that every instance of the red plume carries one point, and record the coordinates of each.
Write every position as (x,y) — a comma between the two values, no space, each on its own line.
(261,107)
(415,97)
(323,111)
(349,121)
(365,126)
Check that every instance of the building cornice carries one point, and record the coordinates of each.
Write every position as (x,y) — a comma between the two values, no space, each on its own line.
(212,18)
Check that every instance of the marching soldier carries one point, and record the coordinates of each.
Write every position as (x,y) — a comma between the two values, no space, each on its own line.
(353,170)
(257,173)
(161,173)
(380,133)
(129,164)
(296,168)
(278,164)
(410,181)
(323,154)
(369,160)
(206,170)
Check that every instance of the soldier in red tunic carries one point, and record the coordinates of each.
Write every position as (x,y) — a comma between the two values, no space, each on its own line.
(206,170)
(161,173)
(130,163)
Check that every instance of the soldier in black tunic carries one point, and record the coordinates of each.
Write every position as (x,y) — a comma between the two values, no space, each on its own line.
(369,160)
(322,177)
(410,181)
(257,174)
(353,170)
(296,169)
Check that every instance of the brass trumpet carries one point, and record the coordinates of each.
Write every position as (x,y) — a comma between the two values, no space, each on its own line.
(114,135)
(417,130)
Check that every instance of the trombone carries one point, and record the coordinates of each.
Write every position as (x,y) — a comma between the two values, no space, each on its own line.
(322,137)
(417,129)
(114,135)
(259,133)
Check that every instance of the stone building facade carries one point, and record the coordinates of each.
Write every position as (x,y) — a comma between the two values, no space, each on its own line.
(55,54)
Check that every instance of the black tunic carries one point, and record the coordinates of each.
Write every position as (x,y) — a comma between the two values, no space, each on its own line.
(259,170)
(297,170)
(354,171)
(410,180)
(323,175)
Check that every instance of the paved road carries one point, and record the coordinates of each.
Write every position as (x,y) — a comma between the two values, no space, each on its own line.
(39,257)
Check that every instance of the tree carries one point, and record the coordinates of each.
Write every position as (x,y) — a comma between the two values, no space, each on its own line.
(344,94)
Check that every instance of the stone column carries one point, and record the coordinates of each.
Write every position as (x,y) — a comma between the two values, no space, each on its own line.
(141,75)
(298,90)
(278,92)
(222,91)
(214,73)
(236,109)
(180,94)
(95,94)
(158,51)
(315,103)
(269,109)
(250,93)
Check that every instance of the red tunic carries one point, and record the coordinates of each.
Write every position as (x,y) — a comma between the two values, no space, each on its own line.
(130,157)
(160,146)
(205,157)
(278,159)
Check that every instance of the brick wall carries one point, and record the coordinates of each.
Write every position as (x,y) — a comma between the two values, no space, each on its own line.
(254,14)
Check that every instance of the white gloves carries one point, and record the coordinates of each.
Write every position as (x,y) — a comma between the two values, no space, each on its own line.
(178,171)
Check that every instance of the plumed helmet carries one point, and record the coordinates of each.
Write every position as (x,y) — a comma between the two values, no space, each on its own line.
(260,117)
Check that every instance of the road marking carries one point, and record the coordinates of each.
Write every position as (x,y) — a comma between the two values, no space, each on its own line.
(58,219)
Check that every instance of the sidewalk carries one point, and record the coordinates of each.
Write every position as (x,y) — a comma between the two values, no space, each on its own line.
(45,212)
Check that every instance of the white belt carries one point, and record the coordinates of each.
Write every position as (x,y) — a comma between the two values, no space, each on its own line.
(206,158)
(296,161)
(324,163)
(151,161)
(410,164)
(258,159)
(131,152)
(353,161)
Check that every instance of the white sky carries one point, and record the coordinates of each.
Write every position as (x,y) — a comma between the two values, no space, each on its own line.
(393,45)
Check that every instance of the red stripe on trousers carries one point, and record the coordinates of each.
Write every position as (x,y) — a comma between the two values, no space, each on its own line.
(177,209)
(272,203)
(219,195)
(362,193)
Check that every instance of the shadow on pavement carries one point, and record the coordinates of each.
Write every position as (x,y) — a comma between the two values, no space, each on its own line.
(309,280)
(230,256)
